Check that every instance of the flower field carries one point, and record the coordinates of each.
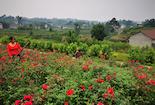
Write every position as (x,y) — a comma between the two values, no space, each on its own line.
(56,78)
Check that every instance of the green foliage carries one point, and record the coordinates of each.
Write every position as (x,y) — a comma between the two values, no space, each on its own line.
(97,50)
(149,56)
(118,56)
(145,55)
(61,73)
(72,37)
(149,23)
(98,32)
(77,28)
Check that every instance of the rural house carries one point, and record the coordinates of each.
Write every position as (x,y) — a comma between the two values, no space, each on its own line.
(1,26)
(143,38)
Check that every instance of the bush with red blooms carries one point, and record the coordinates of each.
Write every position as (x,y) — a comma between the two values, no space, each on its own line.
(17,102)
(90,87)
(28,103)
(98,86)
(82,87)
(85,67)
(108,77)
(44,86)
(28,98)
(100,80)
(100,103)
(151,82)
(66,103)
(70,92)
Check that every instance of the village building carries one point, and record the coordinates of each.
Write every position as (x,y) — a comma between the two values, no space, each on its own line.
(143,38)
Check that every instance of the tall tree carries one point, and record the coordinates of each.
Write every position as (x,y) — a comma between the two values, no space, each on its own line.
(19,20)
(98,31)
(149,23)
(77,28)
(112,26)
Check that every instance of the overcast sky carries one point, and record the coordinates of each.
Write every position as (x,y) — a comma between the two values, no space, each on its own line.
(100,10)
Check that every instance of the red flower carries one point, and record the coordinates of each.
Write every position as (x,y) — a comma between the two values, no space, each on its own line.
(99,80)
(23,60)
(90,87)
(82,87)
(108,77)
(70,92)
(28,98)
(142,76)
(44,86)
(132,61)
(17,102)
(151,82)
(141,67)
(110,91)
(66,103)
(105,95)
(85,67)
(22,70)
(28,103)
(3,58)
(100,103)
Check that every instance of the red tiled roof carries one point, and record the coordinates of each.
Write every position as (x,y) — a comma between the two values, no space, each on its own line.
(150,33)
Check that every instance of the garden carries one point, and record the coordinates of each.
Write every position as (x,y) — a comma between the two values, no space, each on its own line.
(107,73)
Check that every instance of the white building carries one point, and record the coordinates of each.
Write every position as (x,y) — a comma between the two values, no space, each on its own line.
(1,26)
(143,38)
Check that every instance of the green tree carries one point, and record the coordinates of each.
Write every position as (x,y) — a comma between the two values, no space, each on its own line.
(112,26)
(149,23)
(77,28)
(72,37)
(98,32)
(19,20)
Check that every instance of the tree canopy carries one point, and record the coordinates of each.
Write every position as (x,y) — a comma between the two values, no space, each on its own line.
(98,31)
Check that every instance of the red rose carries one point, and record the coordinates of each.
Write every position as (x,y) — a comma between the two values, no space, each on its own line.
(44,86)
(17,102)
(143,76)
(3,58)
(105,95)
(151,82)
(141,67)
(69,92)
(99,80)
(110,91)
(82,87)
(108,77)
(66,103)
(100,103)
(28,98)
(28,103)
(90,87)
(85,67)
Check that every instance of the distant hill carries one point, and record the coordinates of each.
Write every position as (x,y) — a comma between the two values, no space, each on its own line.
(55,22)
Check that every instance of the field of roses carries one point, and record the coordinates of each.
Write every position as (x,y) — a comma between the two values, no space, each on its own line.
(56,78)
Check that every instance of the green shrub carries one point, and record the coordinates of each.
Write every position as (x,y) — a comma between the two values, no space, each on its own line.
(145,55)
(118,56)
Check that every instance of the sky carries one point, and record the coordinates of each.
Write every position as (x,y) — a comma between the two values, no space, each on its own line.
(98,10)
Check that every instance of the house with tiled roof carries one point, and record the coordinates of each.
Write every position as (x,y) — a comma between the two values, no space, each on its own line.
(143,38)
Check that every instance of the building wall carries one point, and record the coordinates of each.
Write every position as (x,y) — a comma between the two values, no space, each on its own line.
(1,26)
(140,40)
(153,43)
